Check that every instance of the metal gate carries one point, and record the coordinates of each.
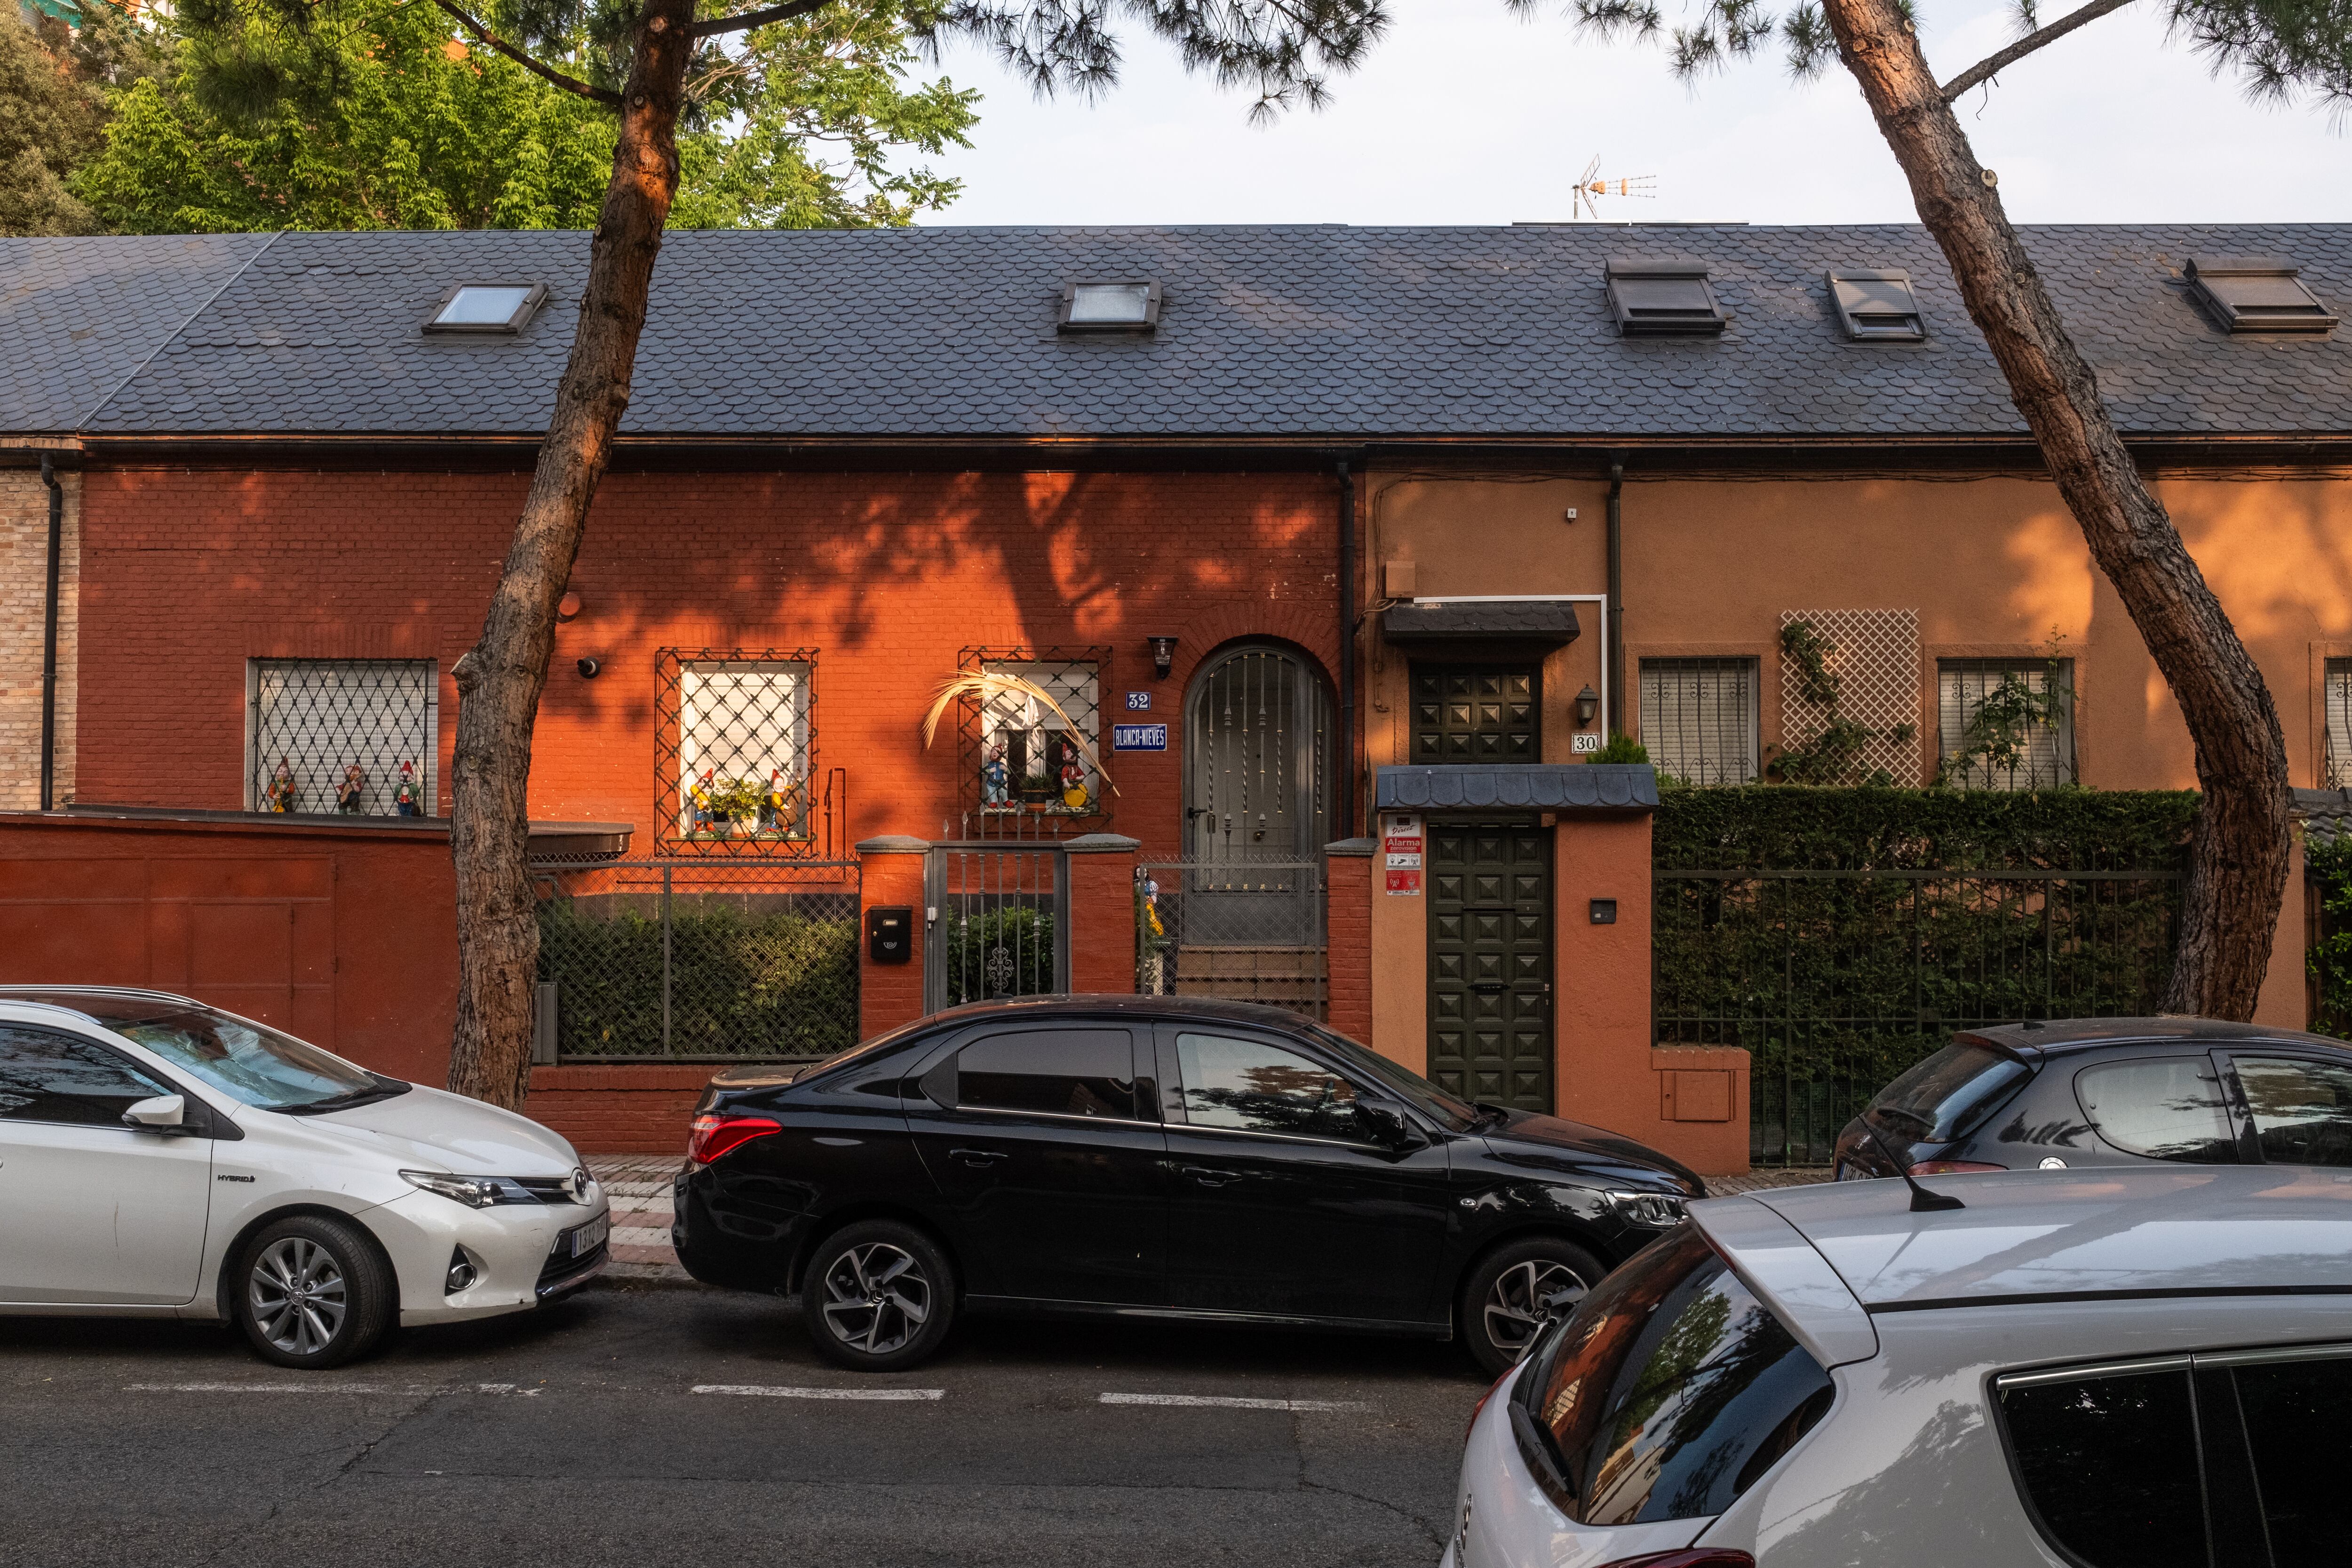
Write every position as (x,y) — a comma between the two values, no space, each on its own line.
(995,922)
(1244,931)
(697,960)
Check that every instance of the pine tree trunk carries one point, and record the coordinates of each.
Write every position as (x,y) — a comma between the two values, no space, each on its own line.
(500,681)
(2239,851)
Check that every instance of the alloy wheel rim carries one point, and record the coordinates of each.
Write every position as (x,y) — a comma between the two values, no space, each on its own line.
(1513,1310)
(876,1297)
(299,1295)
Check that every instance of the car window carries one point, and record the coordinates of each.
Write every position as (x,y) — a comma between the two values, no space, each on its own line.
(1454,1114)
(1053,1072)
(1668,1392)
(252,1064)
(1262,1087)
(2297,1425)
(1947,1096)
(45,1077)
(2109,1462)
(2301,1109)
(2167,1108)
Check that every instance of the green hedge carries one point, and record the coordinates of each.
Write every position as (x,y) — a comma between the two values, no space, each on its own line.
(2329,863)
(1795,826)
(741,984)
(975,973)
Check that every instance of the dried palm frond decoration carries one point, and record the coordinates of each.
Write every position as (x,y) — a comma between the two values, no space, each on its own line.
(985,687)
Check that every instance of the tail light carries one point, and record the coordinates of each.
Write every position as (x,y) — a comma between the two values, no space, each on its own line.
(1953,1168)
(1695,1557)
(1480,1409)
(715,1135)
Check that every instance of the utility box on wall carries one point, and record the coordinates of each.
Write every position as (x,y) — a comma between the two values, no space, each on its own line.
(888,933)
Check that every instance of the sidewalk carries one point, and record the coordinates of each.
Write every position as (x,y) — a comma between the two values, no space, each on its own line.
(640,1185)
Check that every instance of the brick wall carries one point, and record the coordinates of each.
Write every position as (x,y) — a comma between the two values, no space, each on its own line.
(23,589)
(192,572)
(1348,923)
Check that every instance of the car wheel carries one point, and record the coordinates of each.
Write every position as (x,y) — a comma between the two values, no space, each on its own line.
(878,1295)
(1502,1309)
(313,1292)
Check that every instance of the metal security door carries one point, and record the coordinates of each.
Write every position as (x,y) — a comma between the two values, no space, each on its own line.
(1255,794)
(1490,959)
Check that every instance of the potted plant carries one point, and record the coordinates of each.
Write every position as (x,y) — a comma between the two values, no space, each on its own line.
(731,800)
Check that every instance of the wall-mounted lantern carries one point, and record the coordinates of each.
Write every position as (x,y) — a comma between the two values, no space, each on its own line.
(1163,656)
(1588,703)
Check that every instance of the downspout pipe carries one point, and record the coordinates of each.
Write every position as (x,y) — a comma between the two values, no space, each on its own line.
(1617,693)
(49,638)
(1346,825)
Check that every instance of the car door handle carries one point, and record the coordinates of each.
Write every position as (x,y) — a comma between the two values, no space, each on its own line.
(977,1158)
(1209,1178)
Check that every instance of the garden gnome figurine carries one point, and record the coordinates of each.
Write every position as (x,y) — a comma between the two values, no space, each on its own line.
(352,790)
(699,800)
(278,795)
(1073,781)
(407,799)
(995,786)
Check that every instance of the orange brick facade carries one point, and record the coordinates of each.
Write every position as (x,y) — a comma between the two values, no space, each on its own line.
(190,573)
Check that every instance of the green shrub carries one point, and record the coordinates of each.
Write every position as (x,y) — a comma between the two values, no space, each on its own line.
(2329,863)
(1004,952)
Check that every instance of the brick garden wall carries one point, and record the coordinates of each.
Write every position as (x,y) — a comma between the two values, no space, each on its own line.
(190,573)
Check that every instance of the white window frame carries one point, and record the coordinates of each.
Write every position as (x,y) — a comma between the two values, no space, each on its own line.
(1080,696)
(382,767)
(791,743)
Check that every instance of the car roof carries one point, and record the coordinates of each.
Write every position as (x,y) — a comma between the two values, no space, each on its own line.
(2044,1236)
(98,1003)
(2059,1036)
(1090,1005)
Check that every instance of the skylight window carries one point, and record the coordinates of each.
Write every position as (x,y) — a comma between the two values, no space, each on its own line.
(487,308)
(1110,306)
(2256,294)
(1876,307)
(1663,296)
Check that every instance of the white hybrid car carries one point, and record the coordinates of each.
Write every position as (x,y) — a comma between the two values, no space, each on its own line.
(159,1157)
(2105,1368)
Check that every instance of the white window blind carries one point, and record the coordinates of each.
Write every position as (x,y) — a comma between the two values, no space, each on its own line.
(2337,698)
(2023,756)
(1698,718)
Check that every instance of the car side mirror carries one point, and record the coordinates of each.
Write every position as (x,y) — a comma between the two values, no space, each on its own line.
(163,1114)
(1386,1125)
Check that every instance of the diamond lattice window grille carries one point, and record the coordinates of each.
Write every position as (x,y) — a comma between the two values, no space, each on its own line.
(1019,758)
(1875,654)
(329,735)
(735,752)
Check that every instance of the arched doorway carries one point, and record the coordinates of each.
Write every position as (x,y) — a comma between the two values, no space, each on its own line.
(1257,795)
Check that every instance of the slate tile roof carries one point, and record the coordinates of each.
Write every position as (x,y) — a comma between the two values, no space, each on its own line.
(1304,331)
(77,315)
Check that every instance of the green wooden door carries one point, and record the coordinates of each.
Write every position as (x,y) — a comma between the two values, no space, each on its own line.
(1489,890)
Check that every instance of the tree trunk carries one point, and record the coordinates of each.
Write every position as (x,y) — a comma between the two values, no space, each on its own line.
(2239,850)
(500,678)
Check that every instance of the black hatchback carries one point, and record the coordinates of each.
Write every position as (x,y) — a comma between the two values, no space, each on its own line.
(2111,1091)
(1150,1157)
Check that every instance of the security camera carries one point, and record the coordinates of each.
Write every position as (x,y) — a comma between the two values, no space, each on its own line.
(588,669)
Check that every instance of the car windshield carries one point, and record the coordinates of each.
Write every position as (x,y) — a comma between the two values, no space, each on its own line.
(1453,1115)
(1947,1096)
(250,1064)
(1668,1392)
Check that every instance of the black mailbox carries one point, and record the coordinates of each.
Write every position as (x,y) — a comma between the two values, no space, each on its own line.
(889,933)
(1605,911)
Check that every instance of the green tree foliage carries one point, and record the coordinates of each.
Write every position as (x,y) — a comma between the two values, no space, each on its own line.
(372,115)
(54,82)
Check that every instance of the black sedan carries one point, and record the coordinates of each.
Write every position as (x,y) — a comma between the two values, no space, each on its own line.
(1149,1157)
(2111,1091)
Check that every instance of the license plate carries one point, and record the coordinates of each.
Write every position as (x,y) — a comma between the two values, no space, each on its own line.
(588,1237)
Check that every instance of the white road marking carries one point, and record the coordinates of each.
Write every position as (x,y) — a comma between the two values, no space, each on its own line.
(495,1388)
(1230,1402)
(755,1390)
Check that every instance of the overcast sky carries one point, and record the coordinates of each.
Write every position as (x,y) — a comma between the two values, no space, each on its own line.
(1468,115)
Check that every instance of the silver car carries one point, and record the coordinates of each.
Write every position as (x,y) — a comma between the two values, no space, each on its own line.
(2117,1368)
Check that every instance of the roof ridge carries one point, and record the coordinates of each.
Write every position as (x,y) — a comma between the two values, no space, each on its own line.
(169,337)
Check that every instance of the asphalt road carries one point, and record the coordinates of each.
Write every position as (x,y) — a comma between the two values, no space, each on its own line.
(578,1437)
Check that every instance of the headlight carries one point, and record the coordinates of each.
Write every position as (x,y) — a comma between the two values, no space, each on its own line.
(473,1192)
(1656,1211)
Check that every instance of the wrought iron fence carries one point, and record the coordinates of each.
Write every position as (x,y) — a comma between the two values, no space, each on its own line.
(997,922)
(1244,931)
(675,960)
(1835,982)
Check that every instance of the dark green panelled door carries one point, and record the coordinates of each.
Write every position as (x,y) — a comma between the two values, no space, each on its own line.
(1474,713)
(1489,890)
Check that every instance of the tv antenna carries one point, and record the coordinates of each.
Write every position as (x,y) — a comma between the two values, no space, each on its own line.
(1584,195)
